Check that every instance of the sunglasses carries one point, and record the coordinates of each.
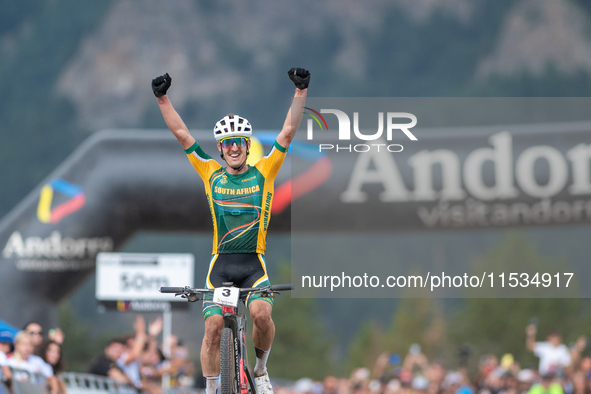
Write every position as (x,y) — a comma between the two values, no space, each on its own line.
(36,333)
(228,142)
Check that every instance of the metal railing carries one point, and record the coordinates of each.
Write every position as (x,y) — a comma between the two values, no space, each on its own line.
(84,383)
(26,382)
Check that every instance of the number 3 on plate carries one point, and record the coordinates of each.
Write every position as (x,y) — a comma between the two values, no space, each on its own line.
(226,296)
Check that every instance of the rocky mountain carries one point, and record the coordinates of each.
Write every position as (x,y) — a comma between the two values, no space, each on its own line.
(227,53)
(76,68)
(541,33)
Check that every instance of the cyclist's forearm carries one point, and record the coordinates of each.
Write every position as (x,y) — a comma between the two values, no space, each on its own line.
(175,123)
(293,119)
(297,109)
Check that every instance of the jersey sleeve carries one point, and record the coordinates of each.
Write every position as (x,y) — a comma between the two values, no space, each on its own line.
(201,161)
(270,164)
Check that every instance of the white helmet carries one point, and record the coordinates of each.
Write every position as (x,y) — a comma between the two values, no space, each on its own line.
(232,126)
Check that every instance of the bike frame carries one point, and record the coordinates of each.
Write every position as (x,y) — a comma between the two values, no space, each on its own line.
(237,323)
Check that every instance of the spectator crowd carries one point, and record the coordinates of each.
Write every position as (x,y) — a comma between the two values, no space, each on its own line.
(29,352)
(561,370)
(138,361)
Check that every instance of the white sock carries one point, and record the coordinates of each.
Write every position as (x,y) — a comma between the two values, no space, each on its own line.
(261,365)
(211,384)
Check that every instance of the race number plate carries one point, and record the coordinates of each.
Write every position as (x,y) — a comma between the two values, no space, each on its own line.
(226,296)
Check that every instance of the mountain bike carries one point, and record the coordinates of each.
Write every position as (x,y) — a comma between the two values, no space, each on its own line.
(235,377)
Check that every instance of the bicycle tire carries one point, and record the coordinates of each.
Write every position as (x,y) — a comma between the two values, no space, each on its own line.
(228,381)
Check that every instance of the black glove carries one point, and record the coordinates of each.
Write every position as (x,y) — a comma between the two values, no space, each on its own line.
(300,77)
(161,84)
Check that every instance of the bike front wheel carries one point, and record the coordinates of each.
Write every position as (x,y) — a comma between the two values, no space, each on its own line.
(228,381)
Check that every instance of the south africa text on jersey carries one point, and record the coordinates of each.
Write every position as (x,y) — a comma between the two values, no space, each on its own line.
(237,192)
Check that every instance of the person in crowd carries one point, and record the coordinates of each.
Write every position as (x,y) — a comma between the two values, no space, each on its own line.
(393,386)
(436,375)
(361,387)
(152,367)
(6,347)
(181,368)
(23,358)
(152,361)
(130,360)
(546,386)
(106,363)
(405,376)
(330,385)
(576,352)
(585,366)
(579,382)
(56,335)
(456,383)
(486,364)
(525,379)
(554,355)
(509,383)
(51,352)
(35,330)
(178,366)
(415,360)
(420,385)
(382,366)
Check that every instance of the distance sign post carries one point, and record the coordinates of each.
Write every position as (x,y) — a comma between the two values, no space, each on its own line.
(131,281)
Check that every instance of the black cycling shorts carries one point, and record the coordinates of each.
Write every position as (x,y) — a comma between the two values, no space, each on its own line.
(242,269)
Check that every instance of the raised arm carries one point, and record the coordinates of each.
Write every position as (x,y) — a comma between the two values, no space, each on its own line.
(139,341)
(530,337)
(301,79)
(174,122)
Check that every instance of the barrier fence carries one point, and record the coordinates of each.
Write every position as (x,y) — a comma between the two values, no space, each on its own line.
(25,382)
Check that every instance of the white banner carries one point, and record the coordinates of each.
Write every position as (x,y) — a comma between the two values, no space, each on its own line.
(139,276)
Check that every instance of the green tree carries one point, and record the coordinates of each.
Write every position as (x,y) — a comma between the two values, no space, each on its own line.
(367,345)
(497,325)
(417,320)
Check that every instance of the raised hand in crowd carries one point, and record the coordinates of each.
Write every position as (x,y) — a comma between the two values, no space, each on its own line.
(56,335)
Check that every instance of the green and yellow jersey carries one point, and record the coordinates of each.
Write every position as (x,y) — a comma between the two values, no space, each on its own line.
(240,205)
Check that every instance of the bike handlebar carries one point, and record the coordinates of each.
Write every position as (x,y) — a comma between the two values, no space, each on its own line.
(172,289)
(282,287)
(190,290)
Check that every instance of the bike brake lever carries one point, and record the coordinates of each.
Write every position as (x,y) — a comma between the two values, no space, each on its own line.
(270,293)
(190,297)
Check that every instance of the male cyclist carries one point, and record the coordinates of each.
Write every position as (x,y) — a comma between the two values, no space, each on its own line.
(239,199)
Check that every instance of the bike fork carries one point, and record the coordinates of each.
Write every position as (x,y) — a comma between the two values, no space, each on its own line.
(245,379)
(237,322)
